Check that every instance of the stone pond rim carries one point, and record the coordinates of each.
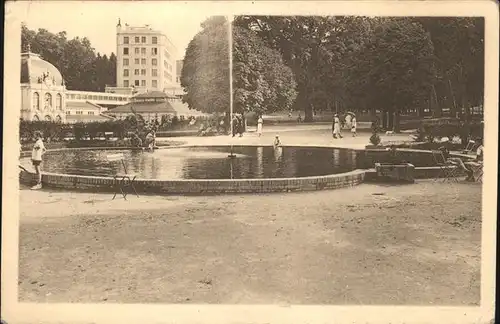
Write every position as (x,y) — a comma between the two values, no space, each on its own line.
(214,186)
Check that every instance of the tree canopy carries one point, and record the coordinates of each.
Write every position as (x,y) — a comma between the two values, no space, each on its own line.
(384,62)
(394,70)
(261,80)
(76,59)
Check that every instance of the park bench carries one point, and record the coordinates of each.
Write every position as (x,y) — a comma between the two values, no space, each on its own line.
(122,181)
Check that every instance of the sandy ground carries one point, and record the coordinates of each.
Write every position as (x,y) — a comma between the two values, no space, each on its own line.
(412,244)
(308,135)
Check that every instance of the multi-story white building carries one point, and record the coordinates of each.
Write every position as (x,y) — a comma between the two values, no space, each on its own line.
(145,59)
(178,68)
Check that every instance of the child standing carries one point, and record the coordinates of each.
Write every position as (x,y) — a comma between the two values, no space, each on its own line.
(36,158)
(277,141)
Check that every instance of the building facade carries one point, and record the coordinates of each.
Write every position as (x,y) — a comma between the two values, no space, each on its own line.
(43,93)
(178,69)
(85,112)
(145,59)
(152,106)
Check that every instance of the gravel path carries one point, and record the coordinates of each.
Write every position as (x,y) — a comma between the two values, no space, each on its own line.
(412,244)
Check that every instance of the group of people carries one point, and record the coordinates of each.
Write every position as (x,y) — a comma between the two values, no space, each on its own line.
(238,125)
(349,122)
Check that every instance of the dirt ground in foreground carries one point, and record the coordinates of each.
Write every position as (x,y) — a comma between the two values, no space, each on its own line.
(410,244)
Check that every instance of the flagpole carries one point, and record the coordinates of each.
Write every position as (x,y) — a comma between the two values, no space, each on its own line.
(230,45)
(230,42)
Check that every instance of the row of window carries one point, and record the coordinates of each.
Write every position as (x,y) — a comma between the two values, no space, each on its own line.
(143,61)
(167,76)
(154,72)
(79,112)
(167,66)
(47,118)
(141,83)
(140,40)
(142,51)
(126,62)
(48,102)
(94,97)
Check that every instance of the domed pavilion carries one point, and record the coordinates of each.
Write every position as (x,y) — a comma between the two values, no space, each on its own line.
(43,92)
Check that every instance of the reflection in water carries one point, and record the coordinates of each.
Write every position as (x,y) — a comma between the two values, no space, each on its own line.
(351,157)
(260,162)
(208,162)
(278,152)
(290,166)
(336,158)
(231,166)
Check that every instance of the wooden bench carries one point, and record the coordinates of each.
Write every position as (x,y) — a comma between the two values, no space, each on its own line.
(122,181)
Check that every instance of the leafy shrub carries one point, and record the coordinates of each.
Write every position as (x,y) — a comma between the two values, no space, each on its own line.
(51,131)
(54,131)
(79,131)
(421,134)
(465,130)
(375,139)
(430,133)
(175,121)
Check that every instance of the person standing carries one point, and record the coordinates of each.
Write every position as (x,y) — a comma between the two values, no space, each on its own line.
(260,121)
(353,126)
(348,120)
(36,158)
(277,141)
(240,126)
(336,126)
(235,125)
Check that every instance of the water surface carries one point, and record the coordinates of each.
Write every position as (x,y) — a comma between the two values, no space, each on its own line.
(207,162)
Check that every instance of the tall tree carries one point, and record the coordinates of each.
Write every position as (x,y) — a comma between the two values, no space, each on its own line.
(261,82)
(459,50)
(315,48)
(394,71)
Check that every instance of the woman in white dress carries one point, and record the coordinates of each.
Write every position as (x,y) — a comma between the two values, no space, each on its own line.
(336,126)
(348,121)
(260,121)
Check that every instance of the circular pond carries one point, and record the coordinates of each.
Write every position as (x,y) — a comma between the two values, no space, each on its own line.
(251,162)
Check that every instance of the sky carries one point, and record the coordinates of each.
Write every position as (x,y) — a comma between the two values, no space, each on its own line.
(97,20)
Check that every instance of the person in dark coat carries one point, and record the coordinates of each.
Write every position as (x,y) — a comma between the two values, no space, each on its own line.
(235,125)
(241,125)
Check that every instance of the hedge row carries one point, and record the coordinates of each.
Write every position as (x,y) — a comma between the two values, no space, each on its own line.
(464,130)
(56,132)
